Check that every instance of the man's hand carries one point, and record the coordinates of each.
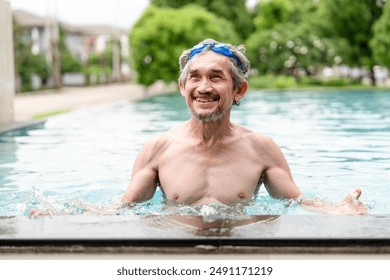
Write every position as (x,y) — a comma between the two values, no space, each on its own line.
(88,209)
(350,205)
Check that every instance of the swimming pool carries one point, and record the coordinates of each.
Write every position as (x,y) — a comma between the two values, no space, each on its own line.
(334,141)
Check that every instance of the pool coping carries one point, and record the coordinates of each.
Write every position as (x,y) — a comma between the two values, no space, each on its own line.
(20,125)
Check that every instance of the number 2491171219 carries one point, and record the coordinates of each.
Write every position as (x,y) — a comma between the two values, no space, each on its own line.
(241,270)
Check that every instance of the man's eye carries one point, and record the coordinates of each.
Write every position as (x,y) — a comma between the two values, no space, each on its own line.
(216,77)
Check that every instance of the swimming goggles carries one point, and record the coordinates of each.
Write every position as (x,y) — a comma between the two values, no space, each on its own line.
(217,48)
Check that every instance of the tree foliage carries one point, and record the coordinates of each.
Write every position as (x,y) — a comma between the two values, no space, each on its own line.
(286,40)
(271,13)
(352,20)
(160,36)
(380,43)
(69,62)
(288,48)
(234,11)
(290,37)
(303,11)
(327,31)
(26,63)
(32,64)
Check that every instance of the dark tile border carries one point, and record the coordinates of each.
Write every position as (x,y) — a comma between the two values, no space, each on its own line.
(20,125)
(198,246)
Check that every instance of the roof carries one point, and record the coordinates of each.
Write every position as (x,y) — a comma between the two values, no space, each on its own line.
(93,29)
(30,20)
(27,19)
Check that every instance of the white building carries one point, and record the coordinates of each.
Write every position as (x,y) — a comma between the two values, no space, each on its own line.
(82,41)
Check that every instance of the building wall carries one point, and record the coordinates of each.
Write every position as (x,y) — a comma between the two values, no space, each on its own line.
(7,81)
(82,41)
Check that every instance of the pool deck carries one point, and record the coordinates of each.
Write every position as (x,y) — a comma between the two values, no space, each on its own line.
(264,237)
(29,105)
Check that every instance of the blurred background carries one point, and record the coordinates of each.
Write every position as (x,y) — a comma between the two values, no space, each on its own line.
(291,43)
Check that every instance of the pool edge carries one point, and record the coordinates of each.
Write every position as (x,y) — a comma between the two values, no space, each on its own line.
(20,125)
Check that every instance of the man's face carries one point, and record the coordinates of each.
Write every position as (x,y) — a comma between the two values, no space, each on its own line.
(209,87)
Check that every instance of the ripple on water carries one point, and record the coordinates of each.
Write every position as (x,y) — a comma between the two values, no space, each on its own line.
(333,142)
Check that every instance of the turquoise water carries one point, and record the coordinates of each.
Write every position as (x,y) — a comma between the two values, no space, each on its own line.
(333,141)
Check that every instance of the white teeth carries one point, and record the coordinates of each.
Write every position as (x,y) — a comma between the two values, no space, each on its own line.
(204,100)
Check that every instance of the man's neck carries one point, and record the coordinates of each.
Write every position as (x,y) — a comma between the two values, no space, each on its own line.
(210,132)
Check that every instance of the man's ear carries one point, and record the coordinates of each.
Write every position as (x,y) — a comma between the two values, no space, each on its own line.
(241,91)
(181,87)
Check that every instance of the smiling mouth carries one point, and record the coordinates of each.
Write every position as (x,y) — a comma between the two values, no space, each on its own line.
(206,99)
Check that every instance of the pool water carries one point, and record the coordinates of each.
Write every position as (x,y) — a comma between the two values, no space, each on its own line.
(334,142)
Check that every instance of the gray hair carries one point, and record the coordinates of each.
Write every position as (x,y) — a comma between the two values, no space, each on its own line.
(239,73)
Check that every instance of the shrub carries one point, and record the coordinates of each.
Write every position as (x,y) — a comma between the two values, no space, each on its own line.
(270,81)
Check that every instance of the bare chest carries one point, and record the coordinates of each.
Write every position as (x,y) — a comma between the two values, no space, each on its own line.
(197,176)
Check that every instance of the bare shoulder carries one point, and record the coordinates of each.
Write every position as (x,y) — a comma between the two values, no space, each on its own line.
(161,142)
(156,143)
(264,141)
(263,146)
(258,140)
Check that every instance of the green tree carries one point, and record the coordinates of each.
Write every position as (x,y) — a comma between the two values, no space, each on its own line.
(303,11)
(100,64)
(234,11)
(380,42)
(27,63)
(289,48)
(32,64)
(353,21)
(160,36)
(69,62)
(286,40)
(271,13)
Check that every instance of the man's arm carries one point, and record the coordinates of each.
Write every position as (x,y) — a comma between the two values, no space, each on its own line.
(278,179)
(144,178)
(280,184)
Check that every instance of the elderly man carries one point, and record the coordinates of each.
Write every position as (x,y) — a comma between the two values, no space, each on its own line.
(209,159)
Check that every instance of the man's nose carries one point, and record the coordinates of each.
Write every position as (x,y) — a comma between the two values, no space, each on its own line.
(204,86)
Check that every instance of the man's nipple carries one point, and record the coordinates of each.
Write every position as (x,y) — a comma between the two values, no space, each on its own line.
(241,195)
(175,197)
